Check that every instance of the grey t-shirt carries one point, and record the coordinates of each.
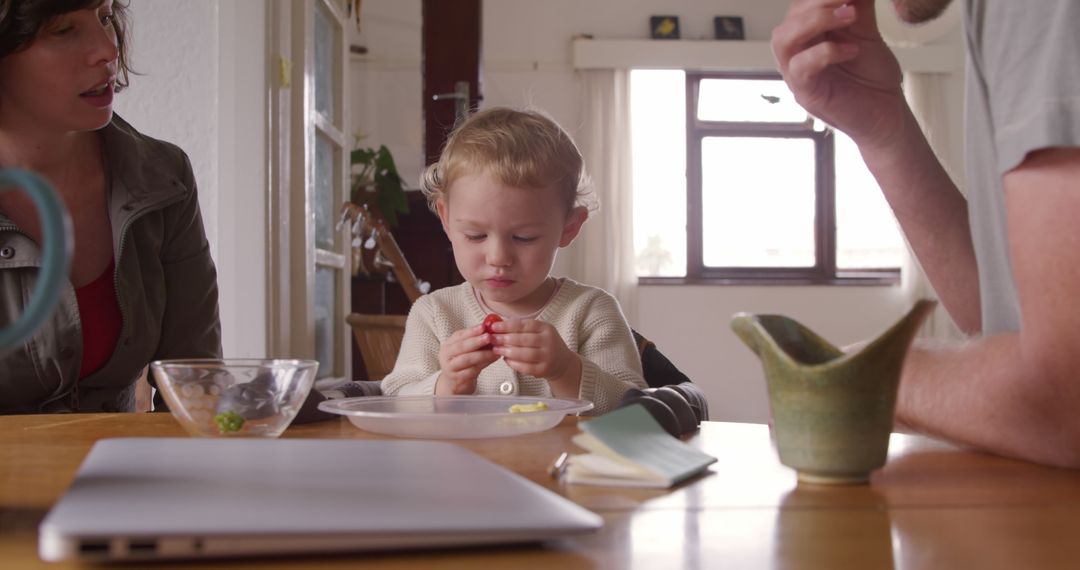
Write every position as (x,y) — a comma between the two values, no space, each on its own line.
(1023,94)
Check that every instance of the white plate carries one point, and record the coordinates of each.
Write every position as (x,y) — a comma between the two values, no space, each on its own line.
(452,417)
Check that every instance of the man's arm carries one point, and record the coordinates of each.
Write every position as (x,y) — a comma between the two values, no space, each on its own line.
(839,69)
(934,216)
(1018,393)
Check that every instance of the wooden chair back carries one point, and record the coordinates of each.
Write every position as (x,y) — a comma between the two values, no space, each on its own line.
(379,339)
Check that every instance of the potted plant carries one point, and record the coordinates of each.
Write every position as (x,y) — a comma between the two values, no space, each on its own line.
(376,182)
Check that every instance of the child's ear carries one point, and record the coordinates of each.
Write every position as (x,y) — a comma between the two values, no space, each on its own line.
(574,220)
(444,213)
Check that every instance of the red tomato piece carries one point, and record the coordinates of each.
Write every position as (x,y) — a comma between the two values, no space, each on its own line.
(490,320)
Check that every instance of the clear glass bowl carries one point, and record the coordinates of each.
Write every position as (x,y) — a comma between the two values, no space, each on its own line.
(234,397)
(452,417)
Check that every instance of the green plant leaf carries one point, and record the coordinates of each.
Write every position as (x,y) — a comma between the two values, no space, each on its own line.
(379,170)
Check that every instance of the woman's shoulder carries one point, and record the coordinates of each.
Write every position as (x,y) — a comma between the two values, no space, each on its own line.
(129,139)
(142,161)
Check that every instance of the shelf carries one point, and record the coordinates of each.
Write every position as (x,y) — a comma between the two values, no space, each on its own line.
(713,55)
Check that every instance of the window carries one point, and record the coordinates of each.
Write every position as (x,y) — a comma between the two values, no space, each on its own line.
(735,183)
(327,183)
(310,265)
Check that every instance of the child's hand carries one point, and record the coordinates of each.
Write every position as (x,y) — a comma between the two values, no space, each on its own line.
(461,358)
(534,347)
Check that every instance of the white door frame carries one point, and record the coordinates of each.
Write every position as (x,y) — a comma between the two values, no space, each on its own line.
(294,126)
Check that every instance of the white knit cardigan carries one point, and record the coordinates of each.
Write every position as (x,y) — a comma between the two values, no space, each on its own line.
(588,319)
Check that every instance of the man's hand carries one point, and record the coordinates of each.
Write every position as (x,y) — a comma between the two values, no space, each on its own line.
(461,358)
(840,70)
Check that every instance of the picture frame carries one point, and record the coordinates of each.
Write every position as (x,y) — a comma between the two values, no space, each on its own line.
(664,27)
(728,28)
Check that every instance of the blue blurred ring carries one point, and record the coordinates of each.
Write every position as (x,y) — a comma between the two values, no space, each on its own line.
(56,254)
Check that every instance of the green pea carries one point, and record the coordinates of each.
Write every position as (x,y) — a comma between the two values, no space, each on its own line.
(229,422)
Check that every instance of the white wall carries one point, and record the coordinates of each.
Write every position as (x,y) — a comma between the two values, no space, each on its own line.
(386,84)
(174,94)
(526,61)
(526,45)
(526,57)
(242,226)
(201,85)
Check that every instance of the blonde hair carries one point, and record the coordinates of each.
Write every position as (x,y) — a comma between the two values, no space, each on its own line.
(524,149)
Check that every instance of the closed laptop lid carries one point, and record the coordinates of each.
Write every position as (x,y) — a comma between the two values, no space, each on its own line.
(148,498)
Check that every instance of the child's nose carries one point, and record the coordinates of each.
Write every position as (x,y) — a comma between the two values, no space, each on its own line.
(498,253)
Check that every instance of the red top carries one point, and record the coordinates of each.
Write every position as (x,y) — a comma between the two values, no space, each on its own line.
(99,312)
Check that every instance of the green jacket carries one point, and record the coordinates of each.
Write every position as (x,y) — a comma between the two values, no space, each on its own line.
(165,281)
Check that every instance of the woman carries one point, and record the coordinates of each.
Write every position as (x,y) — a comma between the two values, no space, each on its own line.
(143,284)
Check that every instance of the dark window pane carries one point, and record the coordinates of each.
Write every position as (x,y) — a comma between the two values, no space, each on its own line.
(324,203)
(325,309)
(326,41)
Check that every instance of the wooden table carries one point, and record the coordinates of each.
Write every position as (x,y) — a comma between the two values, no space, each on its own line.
(932,506)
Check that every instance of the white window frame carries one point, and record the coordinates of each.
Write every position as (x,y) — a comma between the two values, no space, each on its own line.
(294,125)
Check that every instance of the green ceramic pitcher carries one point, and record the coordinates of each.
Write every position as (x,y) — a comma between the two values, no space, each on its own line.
(832,411)
(56,254)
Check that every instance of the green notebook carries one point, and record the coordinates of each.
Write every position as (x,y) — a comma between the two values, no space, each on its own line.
(628,448)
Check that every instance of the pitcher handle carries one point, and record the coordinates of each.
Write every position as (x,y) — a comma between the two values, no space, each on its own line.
(56,254)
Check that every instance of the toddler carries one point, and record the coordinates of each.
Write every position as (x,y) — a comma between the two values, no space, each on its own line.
(510,191)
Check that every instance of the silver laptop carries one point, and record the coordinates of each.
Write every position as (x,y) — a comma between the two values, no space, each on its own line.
(160,498)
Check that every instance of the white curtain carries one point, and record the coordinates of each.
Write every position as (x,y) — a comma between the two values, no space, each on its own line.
(927,95)
(603,254)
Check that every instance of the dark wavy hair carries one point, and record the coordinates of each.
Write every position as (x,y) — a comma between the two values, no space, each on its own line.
(22,20)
